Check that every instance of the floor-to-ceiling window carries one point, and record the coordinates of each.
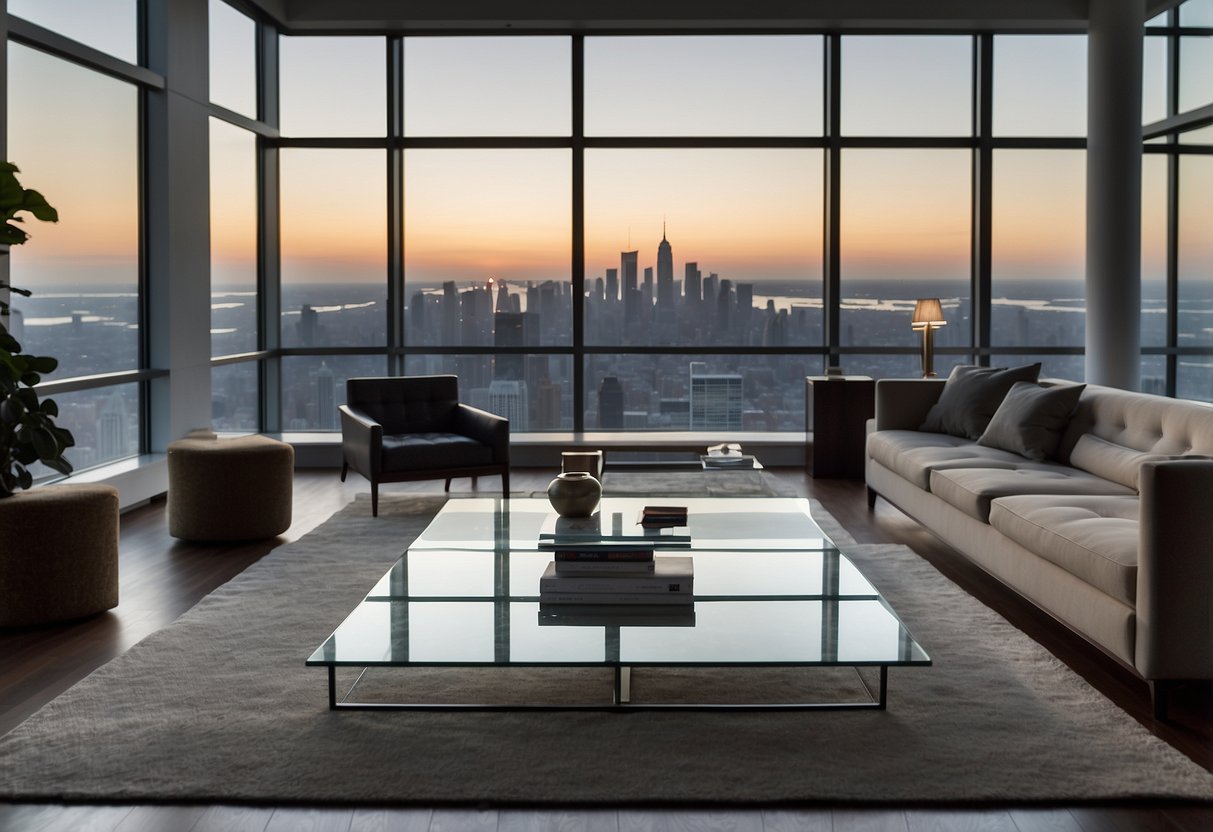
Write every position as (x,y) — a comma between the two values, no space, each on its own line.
(1177,203)
(235,212)
(606,232)
(73,112)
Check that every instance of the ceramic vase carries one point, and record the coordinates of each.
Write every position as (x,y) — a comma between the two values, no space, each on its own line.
(574,494)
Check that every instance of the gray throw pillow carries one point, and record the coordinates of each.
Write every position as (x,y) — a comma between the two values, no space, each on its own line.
(1031,419)
(971,395)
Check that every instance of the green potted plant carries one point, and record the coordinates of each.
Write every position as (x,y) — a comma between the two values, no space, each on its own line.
(28,433)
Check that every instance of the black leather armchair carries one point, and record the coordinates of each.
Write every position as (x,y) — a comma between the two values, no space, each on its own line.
(402,428)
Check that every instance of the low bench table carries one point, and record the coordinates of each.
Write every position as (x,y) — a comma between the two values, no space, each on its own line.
(771,590)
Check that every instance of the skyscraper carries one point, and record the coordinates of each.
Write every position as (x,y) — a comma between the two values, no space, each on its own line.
(610,404)
(509,330)
(709,292)
(631,292)
(716,401)
(111,428)
(691,285)
(724,306)
(308,326)
(665,283)
(324,398)
(612,285)
(507,397)
(450,314)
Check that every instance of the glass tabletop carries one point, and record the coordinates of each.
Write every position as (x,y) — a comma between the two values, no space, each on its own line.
(770,589)
(467,608)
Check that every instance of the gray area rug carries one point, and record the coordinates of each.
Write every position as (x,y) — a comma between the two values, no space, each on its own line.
(220,707)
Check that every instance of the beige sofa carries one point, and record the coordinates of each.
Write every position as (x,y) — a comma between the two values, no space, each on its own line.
(1114,538)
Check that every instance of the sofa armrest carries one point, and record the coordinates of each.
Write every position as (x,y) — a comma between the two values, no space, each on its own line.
(902,403)
(487,428)
(361,441)
(1175,571)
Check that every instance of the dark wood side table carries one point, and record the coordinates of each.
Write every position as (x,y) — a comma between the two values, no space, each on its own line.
(837,409)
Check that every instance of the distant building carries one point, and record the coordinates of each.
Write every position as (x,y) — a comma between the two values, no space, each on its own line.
(509,330)
(610,404)
(631,291)
(309,326)
(111,428)
(547,405)
(635,420)
(507,397)
(665,286)
(324,398)
(692,289)
(716,402)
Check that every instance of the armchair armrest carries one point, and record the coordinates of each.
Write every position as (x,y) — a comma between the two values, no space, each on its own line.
(361,441)
(1175,570)
(902,403)
(485,427)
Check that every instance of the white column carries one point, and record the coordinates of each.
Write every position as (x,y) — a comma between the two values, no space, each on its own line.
(178,219)
(1113,340)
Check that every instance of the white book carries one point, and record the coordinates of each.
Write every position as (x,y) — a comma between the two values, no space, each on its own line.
(671,576)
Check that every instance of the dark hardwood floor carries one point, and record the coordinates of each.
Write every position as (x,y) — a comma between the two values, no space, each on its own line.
(161,578)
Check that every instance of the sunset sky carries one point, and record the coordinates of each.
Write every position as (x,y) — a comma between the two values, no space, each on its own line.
(748,214)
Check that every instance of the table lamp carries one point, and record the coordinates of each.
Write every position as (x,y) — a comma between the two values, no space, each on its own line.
(928,315)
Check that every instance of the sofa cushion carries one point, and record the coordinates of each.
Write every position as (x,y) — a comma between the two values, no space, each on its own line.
(1109,460)
(970,397)
(913,455)
(417,451)
(1093,538)
(972,489)
(1031,419)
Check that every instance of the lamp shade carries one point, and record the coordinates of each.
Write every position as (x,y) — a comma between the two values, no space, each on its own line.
(929,312)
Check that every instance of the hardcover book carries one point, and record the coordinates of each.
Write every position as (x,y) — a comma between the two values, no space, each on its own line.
(671,576)
(616,615)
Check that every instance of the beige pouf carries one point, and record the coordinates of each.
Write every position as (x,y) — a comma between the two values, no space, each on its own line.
(229,489)
(58,554)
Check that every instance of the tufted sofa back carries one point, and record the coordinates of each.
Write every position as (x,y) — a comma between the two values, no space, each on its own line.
(406,404)
(1140,422)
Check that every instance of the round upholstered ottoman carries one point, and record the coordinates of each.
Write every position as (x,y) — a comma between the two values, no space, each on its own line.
(229,489)
(58,554)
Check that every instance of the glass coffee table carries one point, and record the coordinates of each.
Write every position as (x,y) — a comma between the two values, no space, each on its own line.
(771,590)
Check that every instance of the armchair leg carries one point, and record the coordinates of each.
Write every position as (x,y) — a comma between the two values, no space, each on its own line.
(505,483)
(474,482)
(374,498)
(871,498)
(447,487)
(345,469)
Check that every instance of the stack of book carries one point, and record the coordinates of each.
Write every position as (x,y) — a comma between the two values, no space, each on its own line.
(616,575)
(726,455)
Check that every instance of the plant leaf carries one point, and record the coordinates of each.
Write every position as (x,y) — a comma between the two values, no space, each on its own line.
(43,364)
(11,410)
(59,464)
(45,444)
